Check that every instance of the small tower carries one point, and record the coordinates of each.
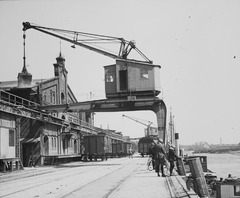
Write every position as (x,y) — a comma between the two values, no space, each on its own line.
(61,72)
(59,67)
(24,78)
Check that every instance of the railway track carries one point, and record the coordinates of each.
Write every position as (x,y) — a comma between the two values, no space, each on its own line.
(172,194)
(177,189)
(65,182)
(116,178)
(109,183)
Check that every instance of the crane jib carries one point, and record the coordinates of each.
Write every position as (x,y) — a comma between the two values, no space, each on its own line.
(123,52)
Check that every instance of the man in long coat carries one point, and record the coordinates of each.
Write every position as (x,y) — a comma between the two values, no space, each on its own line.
(160,157)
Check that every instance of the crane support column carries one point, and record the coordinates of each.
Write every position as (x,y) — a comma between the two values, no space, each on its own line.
(161,112)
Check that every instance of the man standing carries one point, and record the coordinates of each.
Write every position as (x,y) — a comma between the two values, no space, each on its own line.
(151,154)
(130,152)
(171,158)
(160,157)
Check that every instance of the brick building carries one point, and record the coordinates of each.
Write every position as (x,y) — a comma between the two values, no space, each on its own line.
(37,136)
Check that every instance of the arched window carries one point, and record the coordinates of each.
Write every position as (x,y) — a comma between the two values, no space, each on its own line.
(45,98)
(62,98)
(75,146)
(46,146)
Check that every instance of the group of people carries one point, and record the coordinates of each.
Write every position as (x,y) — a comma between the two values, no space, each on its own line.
(161,157)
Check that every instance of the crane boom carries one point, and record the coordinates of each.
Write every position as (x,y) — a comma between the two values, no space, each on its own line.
(87,40)
(148,125)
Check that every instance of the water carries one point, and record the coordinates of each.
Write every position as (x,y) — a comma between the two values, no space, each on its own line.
(224,164)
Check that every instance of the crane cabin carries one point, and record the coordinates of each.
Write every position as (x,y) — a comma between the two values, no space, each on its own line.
(130,78)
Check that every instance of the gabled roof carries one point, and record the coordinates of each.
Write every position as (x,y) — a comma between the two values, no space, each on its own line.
(14,84)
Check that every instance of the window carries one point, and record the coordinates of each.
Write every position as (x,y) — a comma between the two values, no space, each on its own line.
(62,97)
(51,96)
(236,190)
(110,77)
(144,73)
(53,143)
(11,138)
(45,98)
(72,143)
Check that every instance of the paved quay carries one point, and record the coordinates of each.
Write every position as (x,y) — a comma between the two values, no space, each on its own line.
(115,178)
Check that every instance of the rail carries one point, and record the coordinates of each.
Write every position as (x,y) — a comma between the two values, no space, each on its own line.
(177,188)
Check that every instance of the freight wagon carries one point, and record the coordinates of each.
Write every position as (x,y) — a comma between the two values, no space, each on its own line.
(120,149)
(144,144)
(95,147)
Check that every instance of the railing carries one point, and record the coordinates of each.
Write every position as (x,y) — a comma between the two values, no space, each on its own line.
(19,101)
(72,119)
(16,100)
(75,120)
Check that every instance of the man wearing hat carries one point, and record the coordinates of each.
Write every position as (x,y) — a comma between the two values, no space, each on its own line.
(159,156)
(171,158)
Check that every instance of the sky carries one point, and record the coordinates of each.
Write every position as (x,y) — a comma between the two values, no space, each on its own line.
(197,44)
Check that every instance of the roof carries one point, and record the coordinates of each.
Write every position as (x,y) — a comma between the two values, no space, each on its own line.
(132,63)
(146,139)
(14,84)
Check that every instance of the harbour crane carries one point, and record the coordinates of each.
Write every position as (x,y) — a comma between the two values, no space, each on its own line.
(137,120)
(90,41)
(123,89)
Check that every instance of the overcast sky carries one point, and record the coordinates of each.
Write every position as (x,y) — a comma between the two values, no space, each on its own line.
(197,44)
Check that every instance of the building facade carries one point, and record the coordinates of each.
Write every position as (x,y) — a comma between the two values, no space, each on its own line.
(34,136)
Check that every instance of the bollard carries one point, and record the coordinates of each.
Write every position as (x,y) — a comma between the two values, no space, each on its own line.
(180,167)
(200,185)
